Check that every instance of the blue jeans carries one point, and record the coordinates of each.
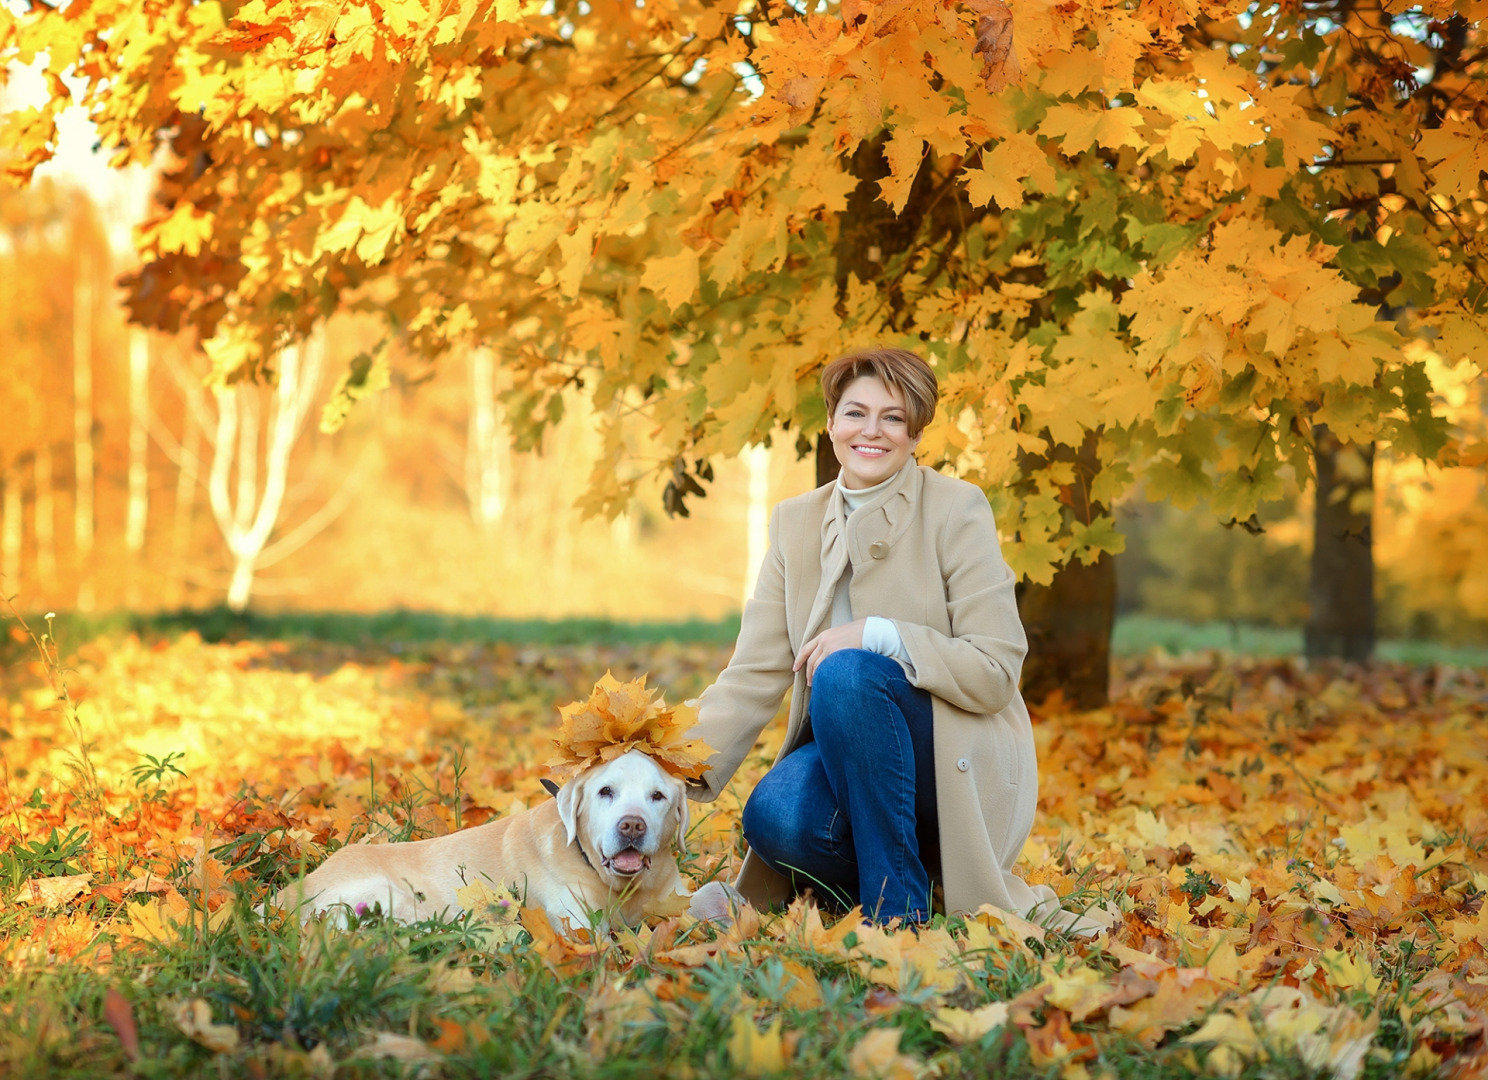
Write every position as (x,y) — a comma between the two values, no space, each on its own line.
(846,812)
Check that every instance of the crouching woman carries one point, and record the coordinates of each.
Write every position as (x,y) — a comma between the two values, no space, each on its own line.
(885,604)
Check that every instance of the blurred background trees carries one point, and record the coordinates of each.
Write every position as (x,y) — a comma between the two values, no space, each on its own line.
(1149,250)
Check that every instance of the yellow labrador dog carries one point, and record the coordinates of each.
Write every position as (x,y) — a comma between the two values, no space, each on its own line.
(603,845)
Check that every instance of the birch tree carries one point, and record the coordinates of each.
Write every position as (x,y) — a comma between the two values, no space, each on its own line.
(488,448)
(82,432)
(139,441)
(246,517)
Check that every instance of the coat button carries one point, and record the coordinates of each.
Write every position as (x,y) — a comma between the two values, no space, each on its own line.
(878,549)
(963,765)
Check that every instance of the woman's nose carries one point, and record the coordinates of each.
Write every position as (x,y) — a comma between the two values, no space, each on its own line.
(870,426)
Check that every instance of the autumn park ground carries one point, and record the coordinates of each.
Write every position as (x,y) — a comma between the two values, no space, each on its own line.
(1295,862)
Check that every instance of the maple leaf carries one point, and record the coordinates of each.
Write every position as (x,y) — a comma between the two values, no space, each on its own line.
(753,1051)
(876,1056)
(994,34)
(619,717)
(194,1018)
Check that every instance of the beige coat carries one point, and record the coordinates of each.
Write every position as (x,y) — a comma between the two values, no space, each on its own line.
(924,554)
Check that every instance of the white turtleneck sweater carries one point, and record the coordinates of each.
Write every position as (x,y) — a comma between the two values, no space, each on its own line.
(880,635)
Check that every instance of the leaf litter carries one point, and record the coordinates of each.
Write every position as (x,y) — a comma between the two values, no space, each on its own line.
(1292,862)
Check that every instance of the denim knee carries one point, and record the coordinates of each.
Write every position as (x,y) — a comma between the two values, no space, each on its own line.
(768,829)
(840,689)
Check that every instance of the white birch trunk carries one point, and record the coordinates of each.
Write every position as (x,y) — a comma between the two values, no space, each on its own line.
(139,441)
(82,431)
(186,479)
(10,531)
(757,517)
(247,522)
(487,450)
(45,523)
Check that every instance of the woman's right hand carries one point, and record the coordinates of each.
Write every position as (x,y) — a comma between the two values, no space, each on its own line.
(846,636)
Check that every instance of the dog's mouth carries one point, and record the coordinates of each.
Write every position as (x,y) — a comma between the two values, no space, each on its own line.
(627,862)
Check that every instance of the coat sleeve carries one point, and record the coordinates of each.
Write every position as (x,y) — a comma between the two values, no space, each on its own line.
(976,667)
(734,710)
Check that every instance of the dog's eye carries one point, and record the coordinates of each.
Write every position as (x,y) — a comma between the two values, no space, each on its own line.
(657,796)
(606,793)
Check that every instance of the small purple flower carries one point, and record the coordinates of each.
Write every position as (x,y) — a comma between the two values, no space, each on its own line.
(361,910)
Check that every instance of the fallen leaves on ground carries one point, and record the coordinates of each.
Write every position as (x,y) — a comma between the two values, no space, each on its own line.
(1293,861)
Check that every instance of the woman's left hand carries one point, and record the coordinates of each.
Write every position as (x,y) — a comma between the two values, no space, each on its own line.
(846,636)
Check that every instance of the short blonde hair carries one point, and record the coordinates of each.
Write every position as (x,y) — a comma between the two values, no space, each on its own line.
(897,369)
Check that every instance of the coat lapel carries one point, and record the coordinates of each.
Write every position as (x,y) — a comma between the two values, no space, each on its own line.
(833,562)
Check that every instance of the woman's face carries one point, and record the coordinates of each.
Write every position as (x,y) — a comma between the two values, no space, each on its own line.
(870,433)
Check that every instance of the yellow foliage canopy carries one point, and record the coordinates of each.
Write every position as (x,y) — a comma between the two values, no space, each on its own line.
(1185,231)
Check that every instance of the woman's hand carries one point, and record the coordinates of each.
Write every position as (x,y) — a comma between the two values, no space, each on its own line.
(846,636)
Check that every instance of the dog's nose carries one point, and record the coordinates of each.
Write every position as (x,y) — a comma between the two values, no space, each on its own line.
(632,827)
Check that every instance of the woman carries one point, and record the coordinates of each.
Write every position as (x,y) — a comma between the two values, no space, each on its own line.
(885,604)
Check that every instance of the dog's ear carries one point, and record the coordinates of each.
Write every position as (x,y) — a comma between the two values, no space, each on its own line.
(568,806)
(684,815)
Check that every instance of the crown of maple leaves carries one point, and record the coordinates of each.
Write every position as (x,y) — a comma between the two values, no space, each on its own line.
(620,717)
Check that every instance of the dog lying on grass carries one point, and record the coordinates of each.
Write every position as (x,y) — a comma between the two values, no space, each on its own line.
(603,845)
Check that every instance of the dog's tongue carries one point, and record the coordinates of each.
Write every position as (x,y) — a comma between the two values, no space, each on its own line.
(629,861)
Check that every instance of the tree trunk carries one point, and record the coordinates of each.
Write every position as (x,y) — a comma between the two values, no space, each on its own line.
(186,480)
(827,465)
(1340,593)
(757,516)
(82,432)
(487,450)
(1069,621)
(10,531)
(139,441)
(44,522)
(247,523)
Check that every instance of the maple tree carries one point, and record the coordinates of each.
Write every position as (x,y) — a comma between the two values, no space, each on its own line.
(1170,229)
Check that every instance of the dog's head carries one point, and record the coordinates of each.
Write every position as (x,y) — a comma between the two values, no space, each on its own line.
(623,813)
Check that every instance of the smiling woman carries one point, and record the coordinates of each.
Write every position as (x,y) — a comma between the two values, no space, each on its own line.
(878,403)
(885,602)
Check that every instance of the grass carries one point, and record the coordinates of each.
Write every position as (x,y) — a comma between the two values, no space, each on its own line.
(1136,635)
(384,628)
(309,1002)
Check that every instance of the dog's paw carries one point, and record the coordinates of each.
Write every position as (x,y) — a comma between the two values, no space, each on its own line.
(715,902)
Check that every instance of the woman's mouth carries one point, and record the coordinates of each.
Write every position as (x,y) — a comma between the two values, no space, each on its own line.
(871,451)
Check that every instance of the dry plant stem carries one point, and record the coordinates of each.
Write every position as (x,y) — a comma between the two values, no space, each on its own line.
(82,761)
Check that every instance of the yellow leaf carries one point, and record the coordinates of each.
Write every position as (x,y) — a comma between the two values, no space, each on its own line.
(1079,991)
(1079,127)
(673,278)
(183,231)
(1233,1039)
(904,153)
(755,1052)
(1016,158)
(405,1048)
(194,1018)
(963,1026)
(876,1056)
(160,920)
(52,891)
(1348,972)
